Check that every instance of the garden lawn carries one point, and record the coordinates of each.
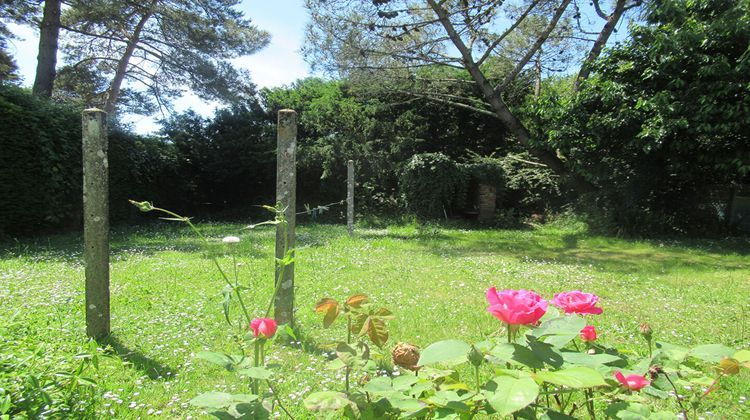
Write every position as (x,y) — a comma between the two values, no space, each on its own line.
(167,301)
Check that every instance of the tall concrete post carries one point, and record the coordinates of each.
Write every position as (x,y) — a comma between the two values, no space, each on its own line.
(96,222)
(350,196)
(286,189)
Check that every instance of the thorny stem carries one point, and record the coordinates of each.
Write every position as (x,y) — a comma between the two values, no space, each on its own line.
(676,393)
(255,363)
(590,403)
(278,400)
(348,341)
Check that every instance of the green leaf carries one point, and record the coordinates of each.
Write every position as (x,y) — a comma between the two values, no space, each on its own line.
(672,351)
(590,360)
(5,404)
(409,406)
(220,359)
(212,400)
(446,352)
(711,352)
(575,377)
(742,356)
(404,382)
(326,401)
(517,354)
(511,394)
(636,411)
(221,399)
(546,353)
(561,330)
(255,372)
(379,385)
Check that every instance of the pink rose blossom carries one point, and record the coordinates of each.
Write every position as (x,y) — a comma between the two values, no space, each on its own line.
(516,307)
(263,327)
(588,333)
(634,382)
(577,302)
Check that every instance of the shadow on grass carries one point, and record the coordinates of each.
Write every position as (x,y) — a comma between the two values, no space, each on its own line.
(581,248)
(139,361)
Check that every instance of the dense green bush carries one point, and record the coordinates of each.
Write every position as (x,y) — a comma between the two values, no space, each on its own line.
(662,129)
(41,171)
(433,185)
(40,161)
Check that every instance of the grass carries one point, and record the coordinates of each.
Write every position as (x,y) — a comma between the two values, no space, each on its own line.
(166,300)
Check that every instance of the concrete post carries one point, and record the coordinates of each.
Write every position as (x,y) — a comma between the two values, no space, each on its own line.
(96,222)
(350,196)
(286,187)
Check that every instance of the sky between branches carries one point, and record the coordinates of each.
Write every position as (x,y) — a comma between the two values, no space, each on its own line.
(280,63)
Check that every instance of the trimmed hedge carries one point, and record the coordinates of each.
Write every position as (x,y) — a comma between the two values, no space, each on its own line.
(41,171)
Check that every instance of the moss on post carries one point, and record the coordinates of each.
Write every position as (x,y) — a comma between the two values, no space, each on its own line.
(96,221)
(286,189)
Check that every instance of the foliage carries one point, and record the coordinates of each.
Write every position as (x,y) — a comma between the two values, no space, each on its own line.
(379,130)
(41,169)
(36,383)
(41,146)
(662,128)
(544,371)
(224,162)
(432,185)
(163,47)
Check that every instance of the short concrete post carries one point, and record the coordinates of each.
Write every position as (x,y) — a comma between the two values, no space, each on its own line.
(350,196)
(96,222)
(286,189)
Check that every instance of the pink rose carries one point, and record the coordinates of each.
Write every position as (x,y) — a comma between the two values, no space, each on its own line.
(577,302)
(516,307)
(634,382)
(588,333)
(263,327)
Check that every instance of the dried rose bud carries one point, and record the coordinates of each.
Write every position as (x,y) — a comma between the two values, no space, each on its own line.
(729,366)
(406,356)
(646,331)
(654,371)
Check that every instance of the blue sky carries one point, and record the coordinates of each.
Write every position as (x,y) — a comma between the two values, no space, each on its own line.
(280,63)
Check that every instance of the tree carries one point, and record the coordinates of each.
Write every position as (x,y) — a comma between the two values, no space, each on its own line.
(49,32)
(400,36)
(163,47)
(663,125)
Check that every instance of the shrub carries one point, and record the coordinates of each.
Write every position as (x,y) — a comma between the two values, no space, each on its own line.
(432,185)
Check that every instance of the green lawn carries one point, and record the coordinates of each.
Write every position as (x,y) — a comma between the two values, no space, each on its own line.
(166,300)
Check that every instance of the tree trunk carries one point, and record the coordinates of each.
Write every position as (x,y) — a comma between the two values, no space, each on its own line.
(599,44)
(122,66)
(49,32)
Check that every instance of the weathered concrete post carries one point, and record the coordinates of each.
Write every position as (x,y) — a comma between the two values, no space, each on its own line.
(286,189)
(350,196)
(96,222)
(487,202)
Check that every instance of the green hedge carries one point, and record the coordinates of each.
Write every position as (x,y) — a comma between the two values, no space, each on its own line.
(38,177)
(41,171)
